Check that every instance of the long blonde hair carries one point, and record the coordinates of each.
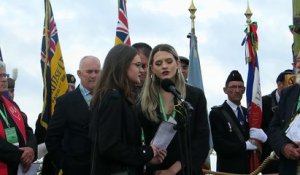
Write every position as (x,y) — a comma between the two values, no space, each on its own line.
(150,93)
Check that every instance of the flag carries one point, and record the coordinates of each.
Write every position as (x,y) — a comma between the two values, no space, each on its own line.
(253,93)
(1,58)
(195,79)
(122,33)
(53,69)
(195,76)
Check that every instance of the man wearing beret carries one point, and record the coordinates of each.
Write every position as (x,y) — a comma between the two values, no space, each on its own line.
(269,104)
(230,130)
(71,82)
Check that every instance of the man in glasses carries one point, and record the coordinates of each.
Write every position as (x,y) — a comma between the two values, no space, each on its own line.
(230,129)
(143,51)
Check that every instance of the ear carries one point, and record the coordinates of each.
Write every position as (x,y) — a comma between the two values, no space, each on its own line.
(78,73)
(225,90)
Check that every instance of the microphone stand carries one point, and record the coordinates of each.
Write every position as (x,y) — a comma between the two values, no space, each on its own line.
(183,129)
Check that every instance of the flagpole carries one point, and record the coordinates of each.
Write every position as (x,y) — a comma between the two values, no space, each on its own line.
(248,15)
(296,28)
(192,10)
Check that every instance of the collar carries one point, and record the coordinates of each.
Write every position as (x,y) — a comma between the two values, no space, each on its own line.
(84,90)
(277,96)
(232,105)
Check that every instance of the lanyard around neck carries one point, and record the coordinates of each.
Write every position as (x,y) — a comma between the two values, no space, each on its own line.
(4,116)
(162,107)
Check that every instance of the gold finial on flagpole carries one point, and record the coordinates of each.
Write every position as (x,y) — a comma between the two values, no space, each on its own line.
(193,10)
(248,13)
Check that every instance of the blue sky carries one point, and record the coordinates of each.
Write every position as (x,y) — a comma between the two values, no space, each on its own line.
(88,28)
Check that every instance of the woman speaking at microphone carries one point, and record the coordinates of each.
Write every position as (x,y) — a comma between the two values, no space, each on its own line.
(159,105)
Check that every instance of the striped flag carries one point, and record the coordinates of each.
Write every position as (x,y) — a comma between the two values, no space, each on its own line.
(195,76)
(253,93)
(53,69)
(122,33)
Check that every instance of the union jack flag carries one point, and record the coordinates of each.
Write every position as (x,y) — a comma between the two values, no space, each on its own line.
(122,33)
(253,93)
(53,69)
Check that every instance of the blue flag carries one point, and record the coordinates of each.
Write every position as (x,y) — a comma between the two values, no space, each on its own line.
(195,76)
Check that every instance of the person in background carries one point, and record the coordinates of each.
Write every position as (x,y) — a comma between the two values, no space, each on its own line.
(40,134)
(71,82)
(184,67)
(269,104)
(116,133)
(158,105)
(11,88)
(11,83)
(67,138)
(17,142)
(230,129)
(143,50)
(286,149)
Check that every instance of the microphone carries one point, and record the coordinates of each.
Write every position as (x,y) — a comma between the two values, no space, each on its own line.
(169,86)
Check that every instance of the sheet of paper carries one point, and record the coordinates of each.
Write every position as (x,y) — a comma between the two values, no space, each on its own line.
(164,135)
(42,150)
(32,170)
(293,131)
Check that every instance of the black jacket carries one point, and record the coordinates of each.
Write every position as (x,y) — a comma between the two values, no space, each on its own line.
(277,138)
(198,133)
(67,138)
(116,136)
(232,156)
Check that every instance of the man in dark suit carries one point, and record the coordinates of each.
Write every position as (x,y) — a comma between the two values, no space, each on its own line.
(287,150)
(67,138)
(40,134)
(269,104)
(230,130)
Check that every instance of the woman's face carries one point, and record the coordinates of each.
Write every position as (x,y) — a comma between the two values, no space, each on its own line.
(164,65)
(135,70)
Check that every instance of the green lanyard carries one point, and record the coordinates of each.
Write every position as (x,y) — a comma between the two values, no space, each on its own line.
(162,107)
(298,104)
(142,137)
(4,116)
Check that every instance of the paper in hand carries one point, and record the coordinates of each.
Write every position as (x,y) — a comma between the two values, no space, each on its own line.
(164,135)
(293,131)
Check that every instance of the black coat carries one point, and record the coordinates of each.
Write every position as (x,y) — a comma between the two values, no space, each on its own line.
(67,138)
(277,138)
(116,135)
(232,156)
(269,106)
(10,153)
(198,129)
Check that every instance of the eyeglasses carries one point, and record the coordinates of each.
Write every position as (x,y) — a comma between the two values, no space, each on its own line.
(139,65)
(4,75)
(236,87)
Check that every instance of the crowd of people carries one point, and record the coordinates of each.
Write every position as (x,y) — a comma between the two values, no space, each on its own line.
(110,123)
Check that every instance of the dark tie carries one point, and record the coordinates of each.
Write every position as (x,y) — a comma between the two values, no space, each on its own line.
(240,116)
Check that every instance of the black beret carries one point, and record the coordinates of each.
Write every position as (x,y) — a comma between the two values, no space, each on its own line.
(184,60)
(234,76)
(71,78)
(10,83)
(281,76)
